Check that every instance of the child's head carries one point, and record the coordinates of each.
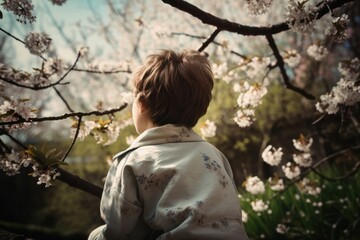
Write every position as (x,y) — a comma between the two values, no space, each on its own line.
(175,88)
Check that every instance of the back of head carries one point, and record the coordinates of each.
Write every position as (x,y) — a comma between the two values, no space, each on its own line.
(175,87)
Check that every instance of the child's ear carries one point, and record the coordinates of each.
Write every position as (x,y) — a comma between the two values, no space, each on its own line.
(142,106)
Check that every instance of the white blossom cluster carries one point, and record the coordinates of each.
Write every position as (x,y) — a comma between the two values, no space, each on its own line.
(20,8)
(255,67)
(337,30)
(208,129)
(23,9)
(219,70)
(272,156)
(37,43)
(276,184)
(244,216)
(39,77)
(309,187)
(254,185)
(303,158)
(45,176)
(257,7)
(292,58)
(259,205)
(104,132)
(11,163)
(300,17)
(281,228)
(317,52)
(346,92)
(13,109)
(291,170)
(53,66)
(249,98)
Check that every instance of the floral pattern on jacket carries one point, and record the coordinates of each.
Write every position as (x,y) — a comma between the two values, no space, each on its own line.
(170,184)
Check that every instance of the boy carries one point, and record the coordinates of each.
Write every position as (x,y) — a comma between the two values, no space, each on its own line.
(170,183)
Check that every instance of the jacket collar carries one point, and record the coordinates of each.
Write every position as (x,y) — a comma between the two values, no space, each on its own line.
(164,134)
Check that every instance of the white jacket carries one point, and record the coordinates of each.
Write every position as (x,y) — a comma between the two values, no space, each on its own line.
(170,184)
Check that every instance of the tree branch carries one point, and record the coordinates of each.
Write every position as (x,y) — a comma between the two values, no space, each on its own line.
(245,30)
(209,40)
(102,72)
(65,116)
(58,82)
(79,183)
(74,140)
(63,99)
(280,64)
(214,42)
(66,177)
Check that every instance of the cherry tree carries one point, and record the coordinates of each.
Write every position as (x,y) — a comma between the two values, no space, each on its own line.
(247,48)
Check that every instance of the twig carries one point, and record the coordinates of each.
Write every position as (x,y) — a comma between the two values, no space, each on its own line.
(65,116)
(19,40)
(280,64)
(214,42)
(74,140)
(9,34)
(63,99)
(102,72)
(58,82)
(346,175)
(209,40)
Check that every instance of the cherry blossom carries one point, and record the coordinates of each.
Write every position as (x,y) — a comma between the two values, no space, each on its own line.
(259,205)
(54,66)
(208,129)
(281,228)
(254,185)
(291,171)
(20,8)
(83,50)
(276,184)
(14,109)
(300,17)
(337,30)
(10,163)
(345,92)
(303,159)
(292,58)
(272,156)
(244,216)
(257,7)
(37,43)
(244,118)
(256,67)
(307,186)
(317,52)
(303,144)
(252,96)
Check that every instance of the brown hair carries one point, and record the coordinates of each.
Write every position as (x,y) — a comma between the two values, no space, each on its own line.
(175,87)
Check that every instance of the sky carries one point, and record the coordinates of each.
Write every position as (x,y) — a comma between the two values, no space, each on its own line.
(67,16)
